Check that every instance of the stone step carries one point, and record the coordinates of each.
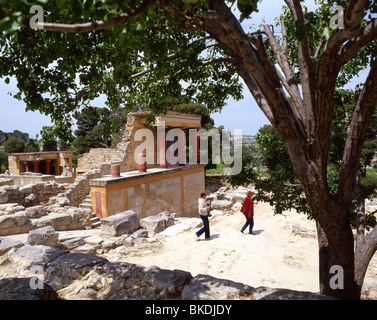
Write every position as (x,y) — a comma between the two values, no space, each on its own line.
(85,205)
(95,222)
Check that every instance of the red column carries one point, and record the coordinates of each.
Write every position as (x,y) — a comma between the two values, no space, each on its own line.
(27,166)
(35,167)
(162,146)
(48,162)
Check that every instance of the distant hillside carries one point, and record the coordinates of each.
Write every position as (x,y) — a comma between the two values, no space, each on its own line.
(246,140)
(21,135)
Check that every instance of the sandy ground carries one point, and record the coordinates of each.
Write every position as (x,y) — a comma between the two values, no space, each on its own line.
(273,257)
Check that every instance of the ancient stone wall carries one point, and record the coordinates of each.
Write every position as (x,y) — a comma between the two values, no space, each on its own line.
(176,190)
(23,221)
(125,149)
(78,190)
(30,195)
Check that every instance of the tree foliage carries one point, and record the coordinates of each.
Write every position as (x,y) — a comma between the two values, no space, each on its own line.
(14,145)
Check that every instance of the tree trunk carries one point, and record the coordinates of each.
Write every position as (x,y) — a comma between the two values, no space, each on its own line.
(336,262)
(335,237)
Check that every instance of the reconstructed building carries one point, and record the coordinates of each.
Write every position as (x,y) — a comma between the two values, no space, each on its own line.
(147,182)
(49,163)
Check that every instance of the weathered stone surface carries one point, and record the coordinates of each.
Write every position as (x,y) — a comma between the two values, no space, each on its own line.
(35,255)
(46,236)
(303,232)
(31,199)
(36,211)
(121,223)
(73,243)
(183,224)
(3,196)
(238,196)
(71,266)
(172,281)
(221,204)
(205,287)
(63,201)
(157,223)
(6,244)
(265,293)
(27,189)
(20,289)
(141,233)
(87,248)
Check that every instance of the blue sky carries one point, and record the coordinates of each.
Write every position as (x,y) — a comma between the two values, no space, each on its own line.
(243,114)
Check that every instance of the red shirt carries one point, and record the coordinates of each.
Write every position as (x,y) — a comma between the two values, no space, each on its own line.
(248,207)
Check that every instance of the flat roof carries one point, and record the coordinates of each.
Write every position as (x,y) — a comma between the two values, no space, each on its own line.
(135,174)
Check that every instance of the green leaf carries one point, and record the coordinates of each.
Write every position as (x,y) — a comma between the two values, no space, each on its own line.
(247,7)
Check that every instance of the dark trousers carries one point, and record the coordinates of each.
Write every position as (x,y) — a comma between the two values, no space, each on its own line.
(205,228)
(250,223)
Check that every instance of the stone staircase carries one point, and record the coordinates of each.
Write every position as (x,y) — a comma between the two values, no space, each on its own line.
(87,204)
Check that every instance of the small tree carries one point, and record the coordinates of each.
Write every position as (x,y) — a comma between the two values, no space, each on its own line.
(14,145)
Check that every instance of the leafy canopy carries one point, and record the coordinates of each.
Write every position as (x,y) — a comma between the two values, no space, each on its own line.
(143,63)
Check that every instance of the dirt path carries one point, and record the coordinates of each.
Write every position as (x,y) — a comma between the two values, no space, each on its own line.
(273,257)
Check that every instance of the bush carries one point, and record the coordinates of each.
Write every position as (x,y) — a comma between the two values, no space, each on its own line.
(14,145)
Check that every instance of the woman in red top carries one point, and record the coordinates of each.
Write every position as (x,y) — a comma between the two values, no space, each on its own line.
(248,210)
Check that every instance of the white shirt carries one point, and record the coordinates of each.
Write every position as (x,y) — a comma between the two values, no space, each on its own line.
(202,204)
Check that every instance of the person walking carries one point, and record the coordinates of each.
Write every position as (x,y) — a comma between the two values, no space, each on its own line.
(248,210)
(203,209)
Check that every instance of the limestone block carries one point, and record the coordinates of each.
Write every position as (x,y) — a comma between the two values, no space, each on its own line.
(221,204)
(20,289)
(3,196)
(121,223)
(73,243)
(60,221)
(46,236)
(21,218)
(7,222)
(31,199)
(35,255)
(157,223)
(27,189)
(6,244)
(205,287)
(36,211)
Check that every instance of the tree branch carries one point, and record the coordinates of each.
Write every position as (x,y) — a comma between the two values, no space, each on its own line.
(362,115)
(352,47)
(291,84)
(176,54)
(363,254)
(97,25)
(253,88)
